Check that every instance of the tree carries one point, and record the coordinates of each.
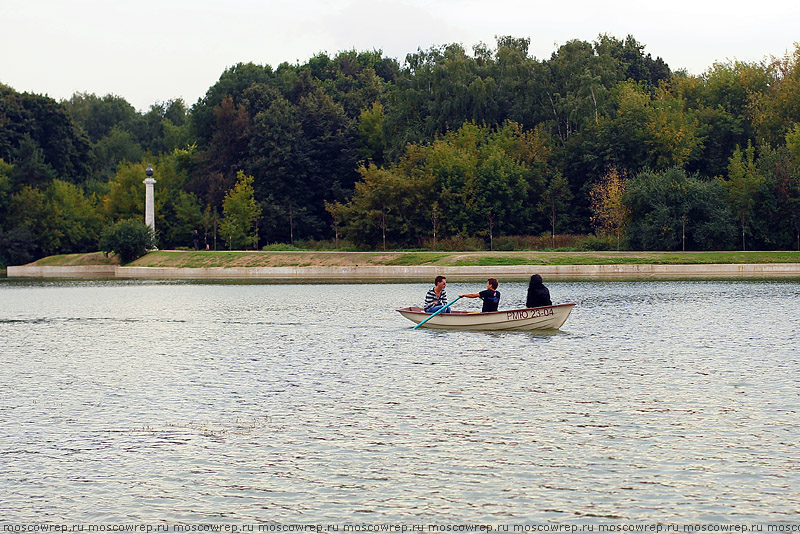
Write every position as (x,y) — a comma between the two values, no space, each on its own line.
(473,181)
(498,189)
(16,242)
(670,210)
(185,216)
(30,211)
(370,129)
(117,146)
(555,200)
(609,211)
(776,108)
(30,167)
(46,125)
(634,63)
(224,153)
(125,197)
(793,183)
(776,211)
(382,209)
(240,213)
(742,184)
(280,164)
(129,239)
(98,116)
(231,84)
(672,131)
(210,224)
(74,222)
(5,191)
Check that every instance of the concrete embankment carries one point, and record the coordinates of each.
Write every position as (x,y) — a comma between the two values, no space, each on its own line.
(421,272)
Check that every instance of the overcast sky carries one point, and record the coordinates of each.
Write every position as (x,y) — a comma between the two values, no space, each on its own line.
(148,51)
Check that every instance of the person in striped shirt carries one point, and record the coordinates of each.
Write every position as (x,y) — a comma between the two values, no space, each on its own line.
(436,297)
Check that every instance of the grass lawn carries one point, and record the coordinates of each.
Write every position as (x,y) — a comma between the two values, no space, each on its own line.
(178,259)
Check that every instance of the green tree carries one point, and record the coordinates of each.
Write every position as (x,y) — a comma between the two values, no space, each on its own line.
(555,201)
(776,108)
(386,207)
(16,242)
(73,222)
(225,152)
(117,146)
(5,191)
(30,167)
(51,132)
(186,215)
(742,183)
(792,187)
(609,211)
(774,221)
(634,63)
(473,181)
(98,116)
(240,213)
(232,85)
(30,211)
(672,131)
(670,210)
(370,129)
(579,86)
(129,239)
(125,196)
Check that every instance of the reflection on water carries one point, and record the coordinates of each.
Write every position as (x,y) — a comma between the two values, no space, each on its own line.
(145,401)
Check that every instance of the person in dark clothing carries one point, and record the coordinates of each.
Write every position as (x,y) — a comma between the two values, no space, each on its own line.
(196,240)
(490,296)
(538,294)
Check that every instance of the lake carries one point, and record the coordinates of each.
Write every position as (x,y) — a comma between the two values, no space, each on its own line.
(203,402)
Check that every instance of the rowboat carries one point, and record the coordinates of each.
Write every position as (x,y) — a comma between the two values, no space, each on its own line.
(544,318)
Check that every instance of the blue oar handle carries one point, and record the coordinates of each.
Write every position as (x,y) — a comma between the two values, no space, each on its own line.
(443,308)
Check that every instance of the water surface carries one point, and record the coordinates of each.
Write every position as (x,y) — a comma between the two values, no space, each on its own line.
(223,402)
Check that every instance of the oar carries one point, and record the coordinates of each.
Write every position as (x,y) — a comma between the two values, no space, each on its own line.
(437,313)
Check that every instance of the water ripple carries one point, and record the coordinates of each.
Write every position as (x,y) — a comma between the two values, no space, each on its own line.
(180,402)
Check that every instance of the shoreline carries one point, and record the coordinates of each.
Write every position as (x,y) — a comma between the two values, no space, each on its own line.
(418,272)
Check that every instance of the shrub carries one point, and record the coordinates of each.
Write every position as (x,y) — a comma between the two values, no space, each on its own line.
(280,247)
(455,243)
(129,239)
(601,242)
(342,245)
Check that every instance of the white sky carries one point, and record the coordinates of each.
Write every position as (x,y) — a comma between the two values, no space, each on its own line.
(148,51)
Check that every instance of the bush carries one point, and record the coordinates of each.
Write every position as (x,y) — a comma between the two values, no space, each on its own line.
(129,239)
(340,245)
(280,247)
(598,243)
(455,243)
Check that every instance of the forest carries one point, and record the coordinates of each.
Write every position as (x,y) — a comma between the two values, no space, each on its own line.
(489,148)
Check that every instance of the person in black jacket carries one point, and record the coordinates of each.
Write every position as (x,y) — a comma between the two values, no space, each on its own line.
(538,294)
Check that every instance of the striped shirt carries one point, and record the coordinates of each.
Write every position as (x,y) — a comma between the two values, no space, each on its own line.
(431,300)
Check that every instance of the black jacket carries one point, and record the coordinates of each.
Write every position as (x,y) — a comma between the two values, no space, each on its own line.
(538,295)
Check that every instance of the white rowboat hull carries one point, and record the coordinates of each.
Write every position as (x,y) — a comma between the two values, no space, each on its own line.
(544,318)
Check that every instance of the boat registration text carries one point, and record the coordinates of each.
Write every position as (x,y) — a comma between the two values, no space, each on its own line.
(528,314)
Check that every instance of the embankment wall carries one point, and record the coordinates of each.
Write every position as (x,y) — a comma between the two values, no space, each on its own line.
(420,272)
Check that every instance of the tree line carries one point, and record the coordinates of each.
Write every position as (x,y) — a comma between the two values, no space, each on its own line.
(600,137)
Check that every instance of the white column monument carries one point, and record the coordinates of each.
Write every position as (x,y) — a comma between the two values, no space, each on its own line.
(149,206)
